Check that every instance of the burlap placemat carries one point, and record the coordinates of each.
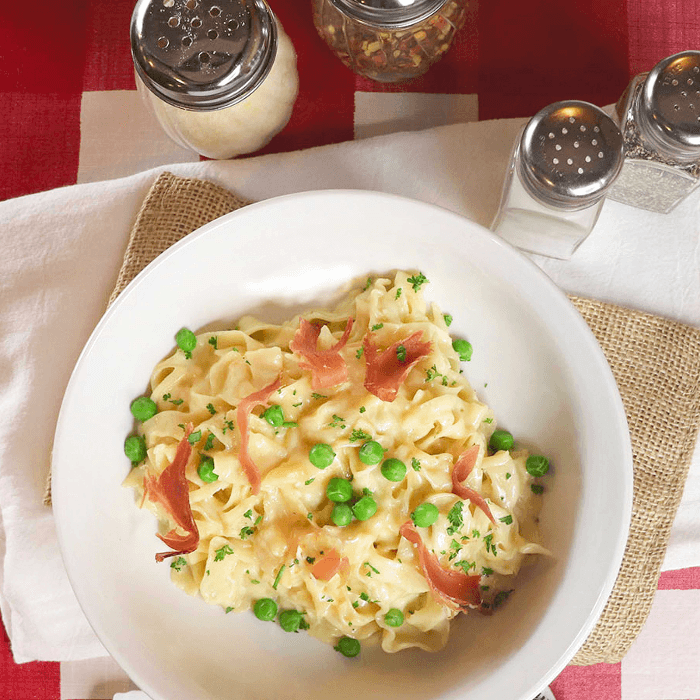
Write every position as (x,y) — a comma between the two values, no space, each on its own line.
(656,364)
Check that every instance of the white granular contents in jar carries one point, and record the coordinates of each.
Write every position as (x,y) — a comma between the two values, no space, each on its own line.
(244,127)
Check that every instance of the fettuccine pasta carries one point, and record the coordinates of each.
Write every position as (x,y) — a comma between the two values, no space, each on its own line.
(336,473)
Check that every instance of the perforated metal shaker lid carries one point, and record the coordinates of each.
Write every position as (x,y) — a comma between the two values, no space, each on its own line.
(669,106)
(203,54)
(389,14)
(570,153)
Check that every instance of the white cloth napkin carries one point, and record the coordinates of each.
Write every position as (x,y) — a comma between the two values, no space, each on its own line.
(62,251)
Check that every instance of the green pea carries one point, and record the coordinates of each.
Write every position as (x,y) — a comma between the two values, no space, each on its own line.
(371,452)
(365,508)
(265,609)
(274,415)
(206,469)
(290,620)
(143,408)
(348,646)
(341,515)
(464,349)
(425,515)
(501,440)
(394,618)
(186,340)
(135,448)
(339,490)
(537,465)
(321,455)
(393,469)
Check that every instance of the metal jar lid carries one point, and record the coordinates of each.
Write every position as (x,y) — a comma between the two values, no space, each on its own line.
(203,54)
(669,106)
(570,153)
(388,14)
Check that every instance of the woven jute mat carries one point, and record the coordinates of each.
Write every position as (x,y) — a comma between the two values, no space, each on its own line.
(656,363)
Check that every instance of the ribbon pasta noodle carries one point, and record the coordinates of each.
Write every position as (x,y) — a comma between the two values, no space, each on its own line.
(377,383)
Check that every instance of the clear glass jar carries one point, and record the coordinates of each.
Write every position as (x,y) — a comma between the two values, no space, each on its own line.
(561,166)
(219,75)
(659,116)
(389,40)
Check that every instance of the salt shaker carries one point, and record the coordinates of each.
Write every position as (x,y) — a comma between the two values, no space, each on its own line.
(659,116)
(219,75)
(562,164)
(389,40)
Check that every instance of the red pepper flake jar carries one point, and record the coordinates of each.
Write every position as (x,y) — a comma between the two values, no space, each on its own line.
(389,41)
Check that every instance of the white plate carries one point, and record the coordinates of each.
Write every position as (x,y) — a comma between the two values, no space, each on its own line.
(535,362)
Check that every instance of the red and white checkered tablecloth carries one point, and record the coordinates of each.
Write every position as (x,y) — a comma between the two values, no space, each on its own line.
(69,113)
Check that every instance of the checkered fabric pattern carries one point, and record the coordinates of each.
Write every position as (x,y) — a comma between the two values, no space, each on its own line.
(69,113)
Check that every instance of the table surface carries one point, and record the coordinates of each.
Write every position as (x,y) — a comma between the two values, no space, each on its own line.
(70,114)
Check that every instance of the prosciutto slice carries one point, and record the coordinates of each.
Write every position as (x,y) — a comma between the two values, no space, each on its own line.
(327,367)
(387,370)
(461,470)
(171,490)
(457,588)
(242,415)
(325,568)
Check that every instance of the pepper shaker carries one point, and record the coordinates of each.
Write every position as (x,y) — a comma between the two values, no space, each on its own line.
(219,75)
(389,40)
(563,162)
(659,116)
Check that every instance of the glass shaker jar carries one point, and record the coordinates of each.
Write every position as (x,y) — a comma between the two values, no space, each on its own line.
(219,75)
(659,115)
(389,40)
(563,162)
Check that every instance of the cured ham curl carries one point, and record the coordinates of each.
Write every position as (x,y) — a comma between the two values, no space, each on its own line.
(242,415)
(457,588)
(325,568)
(386,371)
(461,470)
(171,490)
(327,367)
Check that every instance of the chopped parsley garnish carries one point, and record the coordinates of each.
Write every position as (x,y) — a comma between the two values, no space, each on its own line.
(367,284)
(537,489)
(398,293)
(228,425)
(318,396)
(508,475)
(476,534)
(290,424)
(417,281)
(401,353)
(229,609)
(178,563)
(296,405)
(357,434)
(278,577)
(214,342)
(248,514)
(415,463)
(211,409)
(376,571)
(488,420)
(175,402)
(377,326)
(210,442)
(222,552)
(195,437)
(310,560)
(310,516)
(490,547)
(466,566)
(501,598)
(448,319)
(246,531)
(309,481)
(508,519)
(454,517)
(359,352)
(337,422)
(362,409)
(486,571)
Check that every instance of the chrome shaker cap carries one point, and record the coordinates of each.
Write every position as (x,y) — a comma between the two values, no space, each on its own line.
(389,14)
(570,153)
(203,54)
(669,106)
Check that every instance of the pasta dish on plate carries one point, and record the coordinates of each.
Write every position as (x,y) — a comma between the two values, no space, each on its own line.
(336,473)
